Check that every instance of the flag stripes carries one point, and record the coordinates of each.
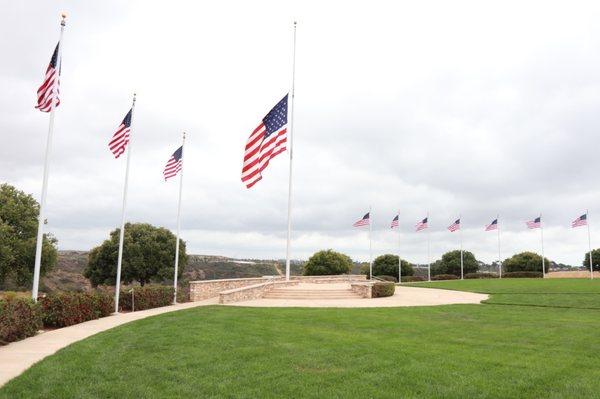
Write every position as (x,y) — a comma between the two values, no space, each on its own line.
(267,141)
(174,164)
(535,223)
(47,94)
(454,226)
(365,221)
(120,139)
(580,221)
(422,225)
(492,226)
(395,222)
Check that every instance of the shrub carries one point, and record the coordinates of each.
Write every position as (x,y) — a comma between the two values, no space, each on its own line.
(450,263)
(595,260)
(381,289)
(146,297)
(387,265)
(388,278)
(19,318)
(327,262)
(409,279)
(444,277)
(63,309)
(480,275)
(525,262)
(522,274)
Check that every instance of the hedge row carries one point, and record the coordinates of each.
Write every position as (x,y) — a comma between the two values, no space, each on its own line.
(409,279)
(19,318)
(444,277)
(382,289)
(64,309)
(480,275)
(523,275)
(148,297)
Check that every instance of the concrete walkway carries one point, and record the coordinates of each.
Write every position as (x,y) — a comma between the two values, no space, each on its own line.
(17,357)
(404,296)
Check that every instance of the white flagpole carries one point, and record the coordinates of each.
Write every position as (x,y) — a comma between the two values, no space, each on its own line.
(399,251)
(587,218)
(543,261)
(178,221)
(461,248)
(370,245)
(499,257)
(428,251)
(291,135)
(122,232)
(42,214)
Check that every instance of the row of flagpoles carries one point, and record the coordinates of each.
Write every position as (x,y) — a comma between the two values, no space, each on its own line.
(48,100)
(423,224)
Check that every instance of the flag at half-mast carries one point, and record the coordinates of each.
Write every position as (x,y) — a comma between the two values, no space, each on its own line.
(364,221)
(118,142)
(535,223)
(174,164)
(580,221)
(266,141)
(48,91)
(492,226)
(395,222)
(422,225)
(454,226)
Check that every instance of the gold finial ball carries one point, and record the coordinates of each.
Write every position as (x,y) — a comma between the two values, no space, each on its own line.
(63,15)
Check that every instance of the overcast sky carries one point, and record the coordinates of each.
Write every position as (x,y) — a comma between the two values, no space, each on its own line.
(466,108)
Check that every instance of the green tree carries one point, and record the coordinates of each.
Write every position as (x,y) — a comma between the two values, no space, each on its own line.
(595,260)
(525,262)
(18,233)
(387,265)
(327,262)
(450,263)
(148,255)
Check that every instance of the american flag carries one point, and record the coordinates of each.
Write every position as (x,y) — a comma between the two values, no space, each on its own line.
(422,225)
(174,164)
(120,139)
(580,221)
(535,223)
(395,222)
(266,141)
(46,93)
(454,226)
(492,226)
(365,221)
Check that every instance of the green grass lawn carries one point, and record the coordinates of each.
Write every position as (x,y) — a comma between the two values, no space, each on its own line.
(457,351)
(569,293)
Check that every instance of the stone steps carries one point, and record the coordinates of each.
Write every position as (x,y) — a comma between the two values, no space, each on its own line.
(290,293)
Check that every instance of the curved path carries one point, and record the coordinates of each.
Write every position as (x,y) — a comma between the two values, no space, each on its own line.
(17,357)
(404,296)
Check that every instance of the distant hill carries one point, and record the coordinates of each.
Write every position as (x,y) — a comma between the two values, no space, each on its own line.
(68,273)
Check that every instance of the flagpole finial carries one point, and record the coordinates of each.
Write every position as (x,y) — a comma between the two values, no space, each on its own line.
(63,16)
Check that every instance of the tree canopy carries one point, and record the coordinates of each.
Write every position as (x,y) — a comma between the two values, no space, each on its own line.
(18,233)
(525,262)
(595,260)
(148,255)
(450,263)
(327,262)
(387,265)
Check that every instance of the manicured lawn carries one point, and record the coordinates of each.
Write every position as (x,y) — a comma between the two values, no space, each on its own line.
(570,293)
(458,351)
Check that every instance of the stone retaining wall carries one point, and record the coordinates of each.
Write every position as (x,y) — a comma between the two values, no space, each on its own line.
(200,290)
(343,278)
(363,289)
(250,292)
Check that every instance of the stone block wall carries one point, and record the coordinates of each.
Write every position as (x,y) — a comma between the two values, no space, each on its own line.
(250,292)
(342,278)
(204,289)
(363,289)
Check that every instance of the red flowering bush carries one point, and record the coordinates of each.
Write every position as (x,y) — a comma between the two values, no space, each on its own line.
(63,309)
(146,297)
(19,318)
